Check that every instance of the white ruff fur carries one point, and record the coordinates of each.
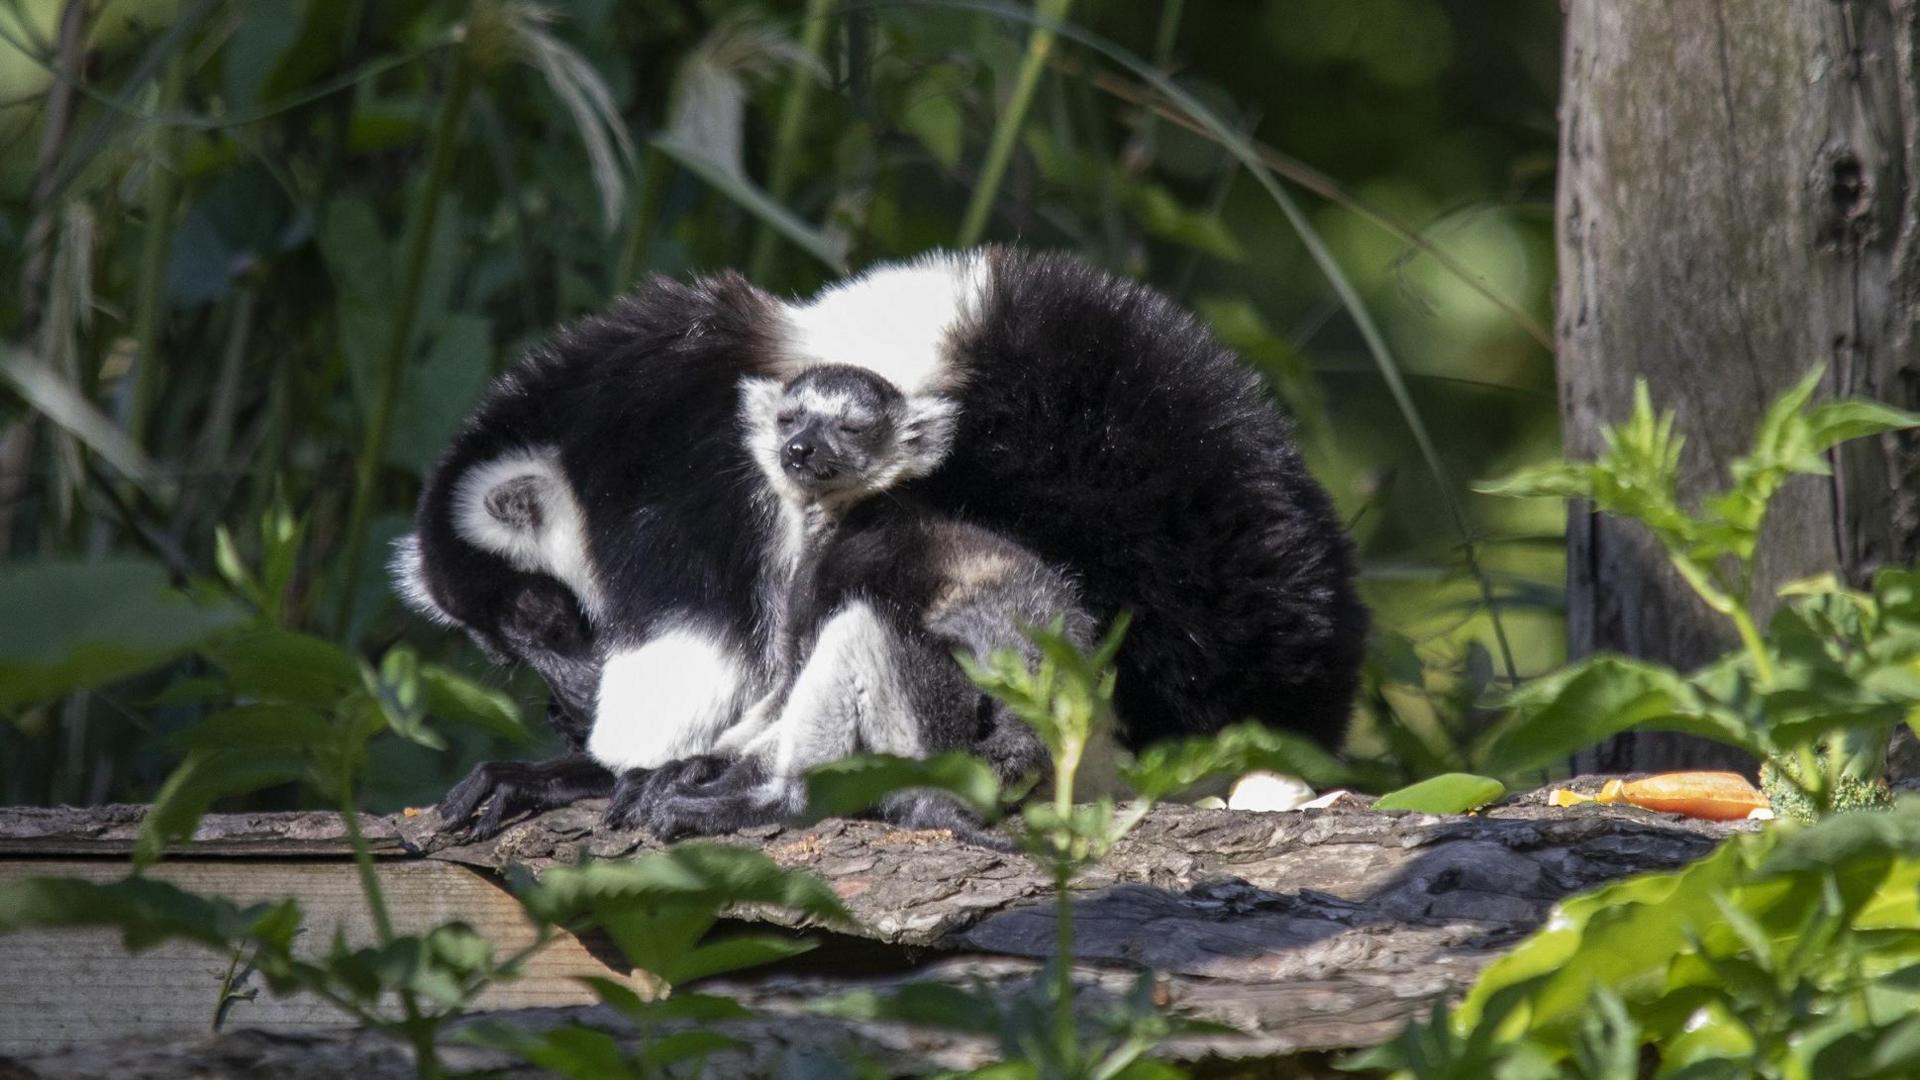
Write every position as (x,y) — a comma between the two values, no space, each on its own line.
(893,320)
(557,546)
(666,700)
(409,575)
(850,697)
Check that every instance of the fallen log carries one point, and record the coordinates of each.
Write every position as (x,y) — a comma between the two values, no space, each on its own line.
(1301,932)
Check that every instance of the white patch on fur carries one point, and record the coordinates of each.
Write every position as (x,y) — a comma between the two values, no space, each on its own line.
(408,571)
(922,442)
(849,697)
(894,320)
(666,700)
(557,546)
(759,414)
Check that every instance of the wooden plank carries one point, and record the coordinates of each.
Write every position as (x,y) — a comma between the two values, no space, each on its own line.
(80,986)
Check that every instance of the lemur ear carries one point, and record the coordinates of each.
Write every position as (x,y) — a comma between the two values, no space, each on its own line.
(927,434)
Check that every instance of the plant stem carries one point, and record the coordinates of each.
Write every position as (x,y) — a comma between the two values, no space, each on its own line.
(645,204)
(986,187)
(363,860)
(419,239)
(1756,648)
(150,307)
(418,1029)
(786,139)
(1065,1031)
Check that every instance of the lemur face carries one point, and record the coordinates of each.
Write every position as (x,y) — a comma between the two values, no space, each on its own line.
(835,434)
(837,427)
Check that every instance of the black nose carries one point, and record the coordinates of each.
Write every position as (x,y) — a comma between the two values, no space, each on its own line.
(798,453)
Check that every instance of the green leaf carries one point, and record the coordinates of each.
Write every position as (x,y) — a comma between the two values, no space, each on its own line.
(1163,215)
(76,625)
(755,201)
(1448,793)
(932,113)
(733,954)
(1167,768)
(857,783)
(1589,702)
(397,690)
(683,1046)
(361,265)
(146,912)
(203,778)
(456,699)
(928,1004)
(288,667)
(438,390)
(656,909)
(259,727)
(566,1051)
(1559,480)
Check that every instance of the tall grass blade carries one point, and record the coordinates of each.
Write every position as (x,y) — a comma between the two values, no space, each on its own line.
(56,399)
(1013,117)
(373,449)
(755,201)
(1317,249)
(786,140)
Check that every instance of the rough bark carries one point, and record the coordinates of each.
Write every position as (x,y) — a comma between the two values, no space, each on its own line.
(1300,932)
(1737,202)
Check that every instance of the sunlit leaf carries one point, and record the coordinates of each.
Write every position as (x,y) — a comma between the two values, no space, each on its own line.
(858,783)
(1448,793)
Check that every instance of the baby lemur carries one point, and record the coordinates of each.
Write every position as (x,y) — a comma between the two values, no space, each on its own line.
(874,593)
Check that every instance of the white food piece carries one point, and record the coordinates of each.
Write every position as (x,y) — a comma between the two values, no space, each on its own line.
(1267,792)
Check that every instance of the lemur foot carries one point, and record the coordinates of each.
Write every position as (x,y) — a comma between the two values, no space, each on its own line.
(939,810)
(701,796)
(507,789)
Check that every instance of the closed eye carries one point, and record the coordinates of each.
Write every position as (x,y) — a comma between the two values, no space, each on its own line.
(853,427)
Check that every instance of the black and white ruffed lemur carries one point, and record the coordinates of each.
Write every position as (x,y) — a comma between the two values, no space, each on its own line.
(601,517)
(881,592)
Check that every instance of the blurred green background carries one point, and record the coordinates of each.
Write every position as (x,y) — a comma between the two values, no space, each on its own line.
(267,253)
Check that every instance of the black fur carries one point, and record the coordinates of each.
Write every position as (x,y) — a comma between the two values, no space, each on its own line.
(1105,428)
(641,402)
(1099,425)
(905,563)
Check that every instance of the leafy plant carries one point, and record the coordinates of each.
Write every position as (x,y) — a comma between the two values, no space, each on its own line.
(1793,952)
(658,910)
(1818,696)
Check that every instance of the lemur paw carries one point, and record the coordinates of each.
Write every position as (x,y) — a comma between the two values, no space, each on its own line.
(501,790)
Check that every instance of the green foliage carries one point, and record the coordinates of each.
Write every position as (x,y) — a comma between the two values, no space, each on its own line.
(658,910)
(74,625)
(1791,952)
(274,251)
(294,707)
(1168,768)
(1818,696)
(1448,793)
(857,783)
(1067,696)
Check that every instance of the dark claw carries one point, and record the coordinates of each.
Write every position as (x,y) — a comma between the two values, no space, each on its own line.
(700,796)
(508,789)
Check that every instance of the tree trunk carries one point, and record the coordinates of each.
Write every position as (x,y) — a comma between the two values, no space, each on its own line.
(1738,202)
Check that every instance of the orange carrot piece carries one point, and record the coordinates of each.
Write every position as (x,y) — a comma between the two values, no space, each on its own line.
(1713,796)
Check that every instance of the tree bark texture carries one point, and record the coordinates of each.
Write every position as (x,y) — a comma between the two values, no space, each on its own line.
(1299,933)
(1737,202)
